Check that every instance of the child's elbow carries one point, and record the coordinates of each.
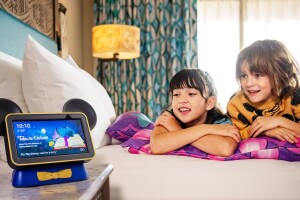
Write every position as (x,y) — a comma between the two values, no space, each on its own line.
(155,148)
(228,148)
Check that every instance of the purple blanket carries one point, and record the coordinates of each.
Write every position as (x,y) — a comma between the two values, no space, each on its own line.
(133,129)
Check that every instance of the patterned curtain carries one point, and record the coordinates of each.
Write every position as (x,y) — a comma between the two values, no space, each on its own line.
(168,44)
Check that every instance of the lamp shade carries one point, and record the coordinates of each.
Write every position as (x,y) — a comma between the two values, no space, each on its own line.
(116,41)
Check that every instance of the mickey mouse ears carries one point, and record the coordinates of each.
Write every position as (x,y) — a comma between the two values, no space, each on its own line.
(79,105)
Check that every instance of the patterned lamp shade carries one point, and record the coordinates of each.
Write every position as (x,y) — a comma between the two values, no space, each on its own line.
(116,41)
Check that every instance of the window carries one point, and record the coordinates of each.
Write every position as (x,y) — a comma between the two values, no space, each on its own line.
(227,26)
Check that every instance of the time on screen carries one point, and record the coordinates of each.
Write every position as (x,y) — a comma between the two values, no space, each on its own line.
(24,125)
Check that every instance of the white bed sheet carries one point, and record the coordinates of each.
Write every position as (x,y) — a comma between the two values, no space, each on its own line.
(137,177)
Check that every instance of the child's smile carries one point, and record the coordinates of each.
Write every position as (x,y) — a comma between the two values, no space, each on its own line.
(184,110)
(252,92)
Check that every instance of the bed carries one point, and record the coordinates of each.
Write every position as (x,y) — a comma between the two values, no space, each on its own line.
(136,175)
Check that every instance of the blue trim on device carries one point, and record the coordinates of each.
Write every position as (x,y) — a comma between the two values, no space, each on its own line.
(14,33)
(28,177)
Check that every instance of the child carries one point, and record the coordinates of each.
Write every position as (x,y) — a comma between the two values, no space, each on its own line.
(194,118)
(268,103)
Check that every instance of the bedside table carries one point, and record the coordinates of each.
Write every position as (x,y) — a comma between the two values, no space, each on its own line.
(96,187)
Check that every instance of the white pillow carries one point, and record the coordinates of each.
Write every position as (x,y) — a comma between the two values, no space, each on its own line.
(99,90)
(2,149)
(49,81)
(11,80)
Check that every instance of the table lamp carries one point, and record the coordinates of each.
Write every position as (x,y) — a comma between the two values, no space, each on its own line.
(116,41)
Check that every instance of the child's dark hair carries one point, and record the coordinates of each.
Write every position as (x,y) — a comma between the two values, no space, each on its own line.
(271,57)
(202,81)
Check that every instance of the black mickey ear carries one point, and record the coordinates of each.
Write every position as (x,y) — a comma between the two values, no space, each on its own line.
(79,105)
(6,107)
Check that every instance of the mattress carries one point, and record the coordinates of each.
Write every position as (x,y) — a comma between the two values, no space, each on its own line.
(137,177)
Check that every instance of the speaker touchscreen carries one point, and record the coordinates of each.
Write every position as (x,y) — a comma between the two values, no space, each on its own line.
(48,138)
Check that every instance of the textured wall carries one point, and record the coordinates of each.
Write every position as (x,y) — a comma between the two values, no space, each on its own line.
(40,14)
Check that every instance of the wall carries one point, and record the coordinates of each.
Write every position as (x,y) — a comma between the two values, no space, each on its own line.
(79,29)
(41,19)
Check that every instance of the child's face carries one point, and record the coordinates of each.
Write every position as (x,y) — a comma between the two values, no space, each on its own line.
(189,106)
(256,86)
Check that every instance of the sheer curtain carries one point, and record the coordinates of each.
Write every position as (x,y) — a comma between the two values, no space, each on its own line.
(273,19)
(226,26)
(218,44)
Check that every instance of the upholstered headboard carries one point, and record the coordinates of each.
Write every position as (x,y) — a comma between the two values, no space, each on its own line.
(13,35)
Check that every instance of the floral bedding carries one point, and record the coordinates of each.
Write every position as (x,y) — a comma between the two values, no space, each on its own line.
(133,130)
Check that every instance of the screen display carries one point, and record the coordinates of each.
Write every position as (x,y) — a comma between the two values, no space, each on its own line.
(49,138)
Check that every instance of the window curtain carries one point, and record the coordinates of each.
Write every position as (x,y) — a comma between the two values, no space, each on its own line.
(218,44)
(168,44)
(273,19)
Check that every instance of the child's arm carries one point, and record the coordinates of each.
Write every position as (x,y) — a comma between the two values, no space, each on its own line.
(282,134)
(168,135)
(276,126)
(217,144)
(164,140)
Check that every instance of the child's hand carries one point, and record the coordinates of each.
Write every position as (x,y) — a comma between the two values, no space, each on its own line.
(282,134)
(226,130)
(262,124)
(168,121)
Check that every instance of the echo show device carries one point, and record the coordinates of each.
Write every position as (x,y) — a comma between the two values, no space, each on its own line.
(47,139)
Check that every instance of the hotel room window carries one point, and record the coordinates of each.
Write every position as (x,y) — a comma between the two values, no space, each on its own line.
(227,26)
